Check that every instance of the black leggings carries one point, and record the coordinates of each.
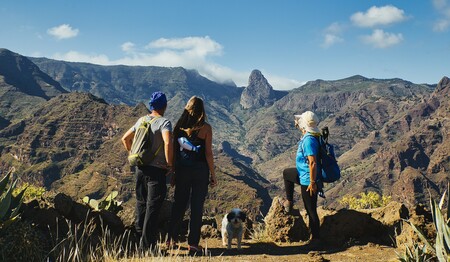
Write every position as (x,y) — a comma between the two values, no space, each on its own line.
(190,183)
(290,176)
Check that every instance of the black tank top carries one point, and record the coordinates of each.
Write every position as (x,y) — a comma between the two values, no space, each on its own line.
(186,157)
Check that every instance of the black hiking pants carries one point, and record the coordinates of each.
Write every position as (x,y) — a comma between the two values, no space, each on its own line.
(191,182)
(290,177)
(150,193)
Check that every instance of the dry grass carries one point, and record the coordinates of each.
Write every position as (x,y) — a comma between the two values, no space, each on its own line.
(83,243)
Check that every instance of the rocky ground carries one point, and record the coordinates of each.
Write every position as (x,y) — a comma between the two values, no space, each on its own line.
(348,235)
(289,252)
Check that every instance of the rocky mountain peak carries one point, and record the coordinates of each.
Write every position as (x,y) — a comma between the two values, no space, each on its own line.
(256,77)
(258,93)
(443,84)
(20,72)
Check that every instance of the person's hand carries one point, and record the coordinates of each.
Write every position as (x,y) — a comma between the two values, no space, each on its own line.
(312,188)
(213,181)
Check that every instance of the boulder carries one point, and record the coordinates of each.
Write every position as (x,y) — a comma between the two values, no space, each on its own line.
(341,226)
(284,227)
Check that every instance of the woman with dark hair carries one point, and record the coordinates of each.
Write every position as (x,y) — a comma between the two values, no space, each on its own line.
(194,170)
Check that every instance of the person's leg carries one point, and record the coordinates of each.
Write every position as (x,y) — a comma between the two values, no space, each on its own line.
(290,177)
(198,195)
(181,198)
(310,203)
(141,200)
(156,184)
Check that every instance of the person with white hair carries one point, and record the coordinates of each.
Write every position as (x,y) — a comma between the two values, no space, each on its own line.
(305,173)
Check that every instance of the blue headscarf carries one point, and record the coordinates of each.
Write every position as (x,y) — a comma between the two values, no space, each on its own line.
(157,101)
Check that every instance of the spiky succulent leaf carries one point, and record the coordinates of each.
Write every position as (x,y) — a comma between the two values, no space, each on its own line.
(5,201)
(440,252)
(4,182)
(441,203)
(17,200)
(422,237)
(448,204)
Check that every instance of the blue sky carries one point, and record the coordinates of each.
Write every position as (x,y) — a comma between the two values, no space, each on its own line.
(290,41)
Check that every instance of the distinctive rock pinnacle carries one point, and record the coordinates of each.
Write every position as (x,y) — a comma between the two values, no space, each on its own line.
(258,93)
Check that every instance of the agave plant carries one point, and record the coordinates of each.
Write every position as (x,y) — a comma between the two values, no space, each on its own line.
(9,204)
(441,247)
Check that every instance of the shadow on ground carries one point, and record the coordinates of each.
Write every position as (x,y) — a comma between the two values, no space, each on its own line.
(273,249)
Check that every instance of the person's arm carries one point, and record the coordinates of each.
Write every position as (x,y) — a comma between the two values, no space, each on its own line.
(127,139)
(312,187)
(168,148)
(209,155)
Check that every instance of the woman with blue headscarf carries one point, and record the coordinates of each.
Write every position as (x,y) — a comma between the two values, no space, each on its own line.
(305,172)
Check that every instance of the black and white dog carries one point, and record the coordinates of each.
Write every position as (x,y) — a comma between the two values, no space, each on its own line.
(233,227)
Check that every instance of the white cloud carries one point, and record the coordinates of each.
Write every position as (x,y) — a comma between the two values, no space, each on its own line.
(74,56)
(443,23)
(376,16)
(190,52)
(282,83)
(332,35)
(438,4)
(381,39)
(63,31)
(195,46)
(127,47)
(330,39)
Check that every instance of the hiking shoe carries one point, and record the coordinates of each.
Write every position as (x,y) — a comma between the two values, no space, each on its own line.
(286,204)
(321,194)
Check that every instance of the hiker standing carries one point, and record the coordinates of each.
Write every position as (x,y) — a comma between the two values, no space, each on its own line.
(305,173)
(194,170)
(151,177)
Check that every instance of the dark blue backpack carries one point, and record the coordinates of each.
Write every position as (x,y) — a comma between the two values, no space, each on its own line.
(327,159)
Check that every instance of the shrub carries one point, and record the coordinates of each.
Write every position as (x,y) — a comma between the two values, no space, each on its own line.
(259,234)
(31,192)
(365,201)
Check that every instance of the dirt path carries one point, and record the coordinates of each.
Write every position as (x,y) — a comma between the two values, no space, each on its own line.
(290,252)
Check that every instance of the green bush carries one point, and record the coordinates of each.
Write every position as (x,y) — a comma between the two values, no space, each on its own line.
(365,201)
(31,192)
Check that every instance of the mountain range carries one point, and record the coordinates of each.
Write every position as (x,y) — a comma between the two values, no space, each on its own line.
(61,122)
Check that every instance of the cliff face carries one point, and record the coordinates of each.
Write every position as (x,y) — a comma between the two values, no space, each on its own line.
(22,86)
